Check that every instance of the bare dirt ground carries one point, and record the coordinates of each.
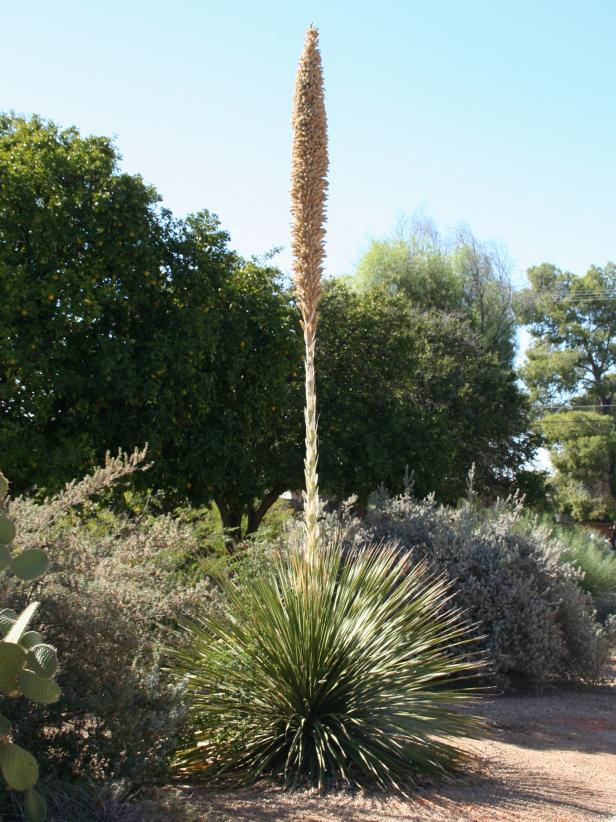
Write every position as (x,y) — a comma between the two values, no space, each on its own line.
(551,758)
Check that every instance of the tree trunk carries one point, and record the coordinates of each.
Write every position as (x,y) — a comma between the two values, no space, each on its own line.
(255,515)
(232,524)
(605,403)
(232,518)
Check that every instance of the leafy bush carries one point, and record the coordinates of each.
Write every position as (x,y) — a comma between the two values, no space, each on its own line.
(588,552)
(110,602)
(537,621)
(338,667)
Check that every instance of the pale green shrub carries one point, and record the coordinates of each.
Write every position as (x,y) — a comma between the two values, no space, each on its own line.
(587,551)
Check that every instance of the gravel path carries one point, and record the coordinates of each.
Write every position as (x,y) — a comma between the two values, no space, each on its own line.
(552,758)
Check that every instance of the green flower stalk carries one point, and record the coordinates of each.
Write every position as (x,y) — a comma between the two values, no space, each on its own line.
(308,196)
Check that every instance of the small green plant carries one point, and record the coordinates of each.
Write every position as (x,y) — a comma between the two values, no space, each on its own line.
(598,564)
(27,668)
(344,668)
(589,553)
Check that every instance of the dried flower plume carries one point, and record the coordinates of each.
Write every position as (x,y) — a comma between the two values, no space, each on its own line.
(308,196)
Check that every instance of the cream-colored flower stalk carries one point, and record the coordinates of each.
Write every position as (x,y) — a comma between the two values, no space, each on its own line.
(308,195)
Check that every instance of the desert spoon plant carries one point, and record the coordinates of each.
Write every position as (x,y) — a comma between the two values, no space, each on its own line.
(323,664)
(27,667)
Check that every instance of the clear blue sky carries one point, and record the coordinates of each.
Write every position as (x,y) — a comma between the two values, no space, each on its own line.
(499,114)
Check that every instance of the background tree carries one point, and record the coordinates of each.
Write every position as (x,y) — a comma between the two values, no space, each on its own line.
(456,273)
(83,287)
(571,374)
(582,447)
(430,395)
(242,448)
(122,326)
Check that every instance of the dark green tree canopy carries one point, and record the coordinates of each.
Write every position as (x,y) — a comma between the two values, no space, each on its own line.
(573,322)
(244,448)
(83,274)
(399,386)
(122,325)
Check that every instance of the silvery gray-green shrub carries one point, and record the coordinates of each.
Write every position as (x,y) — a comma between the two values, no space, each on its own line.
(538,624)
(28,666)
(109,601)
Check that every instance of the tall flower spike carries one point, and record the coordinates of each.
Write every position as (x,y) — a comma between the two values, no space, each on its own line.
(308,195)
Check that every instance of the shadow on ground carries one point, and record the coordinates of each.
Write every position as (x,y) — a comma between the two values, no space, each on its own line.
(583,721)
(481,797)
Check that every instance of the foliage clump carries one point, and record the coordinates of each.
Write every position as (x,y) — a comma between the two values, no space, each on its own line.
(109,601)
(400,386)
(454,273)
(535,620)
(588,552)
(128,325)
(347,667)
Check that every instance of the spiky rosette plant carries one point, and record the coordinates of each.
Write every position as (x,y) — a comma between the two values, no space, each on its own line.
(351,680)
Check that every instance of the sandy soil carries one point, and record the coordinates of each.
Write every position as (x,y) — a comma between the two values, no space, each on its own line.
(552,758)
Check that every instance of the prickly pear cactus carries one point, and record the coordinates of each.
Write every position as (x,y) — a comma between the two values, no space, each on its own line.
(27,667)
